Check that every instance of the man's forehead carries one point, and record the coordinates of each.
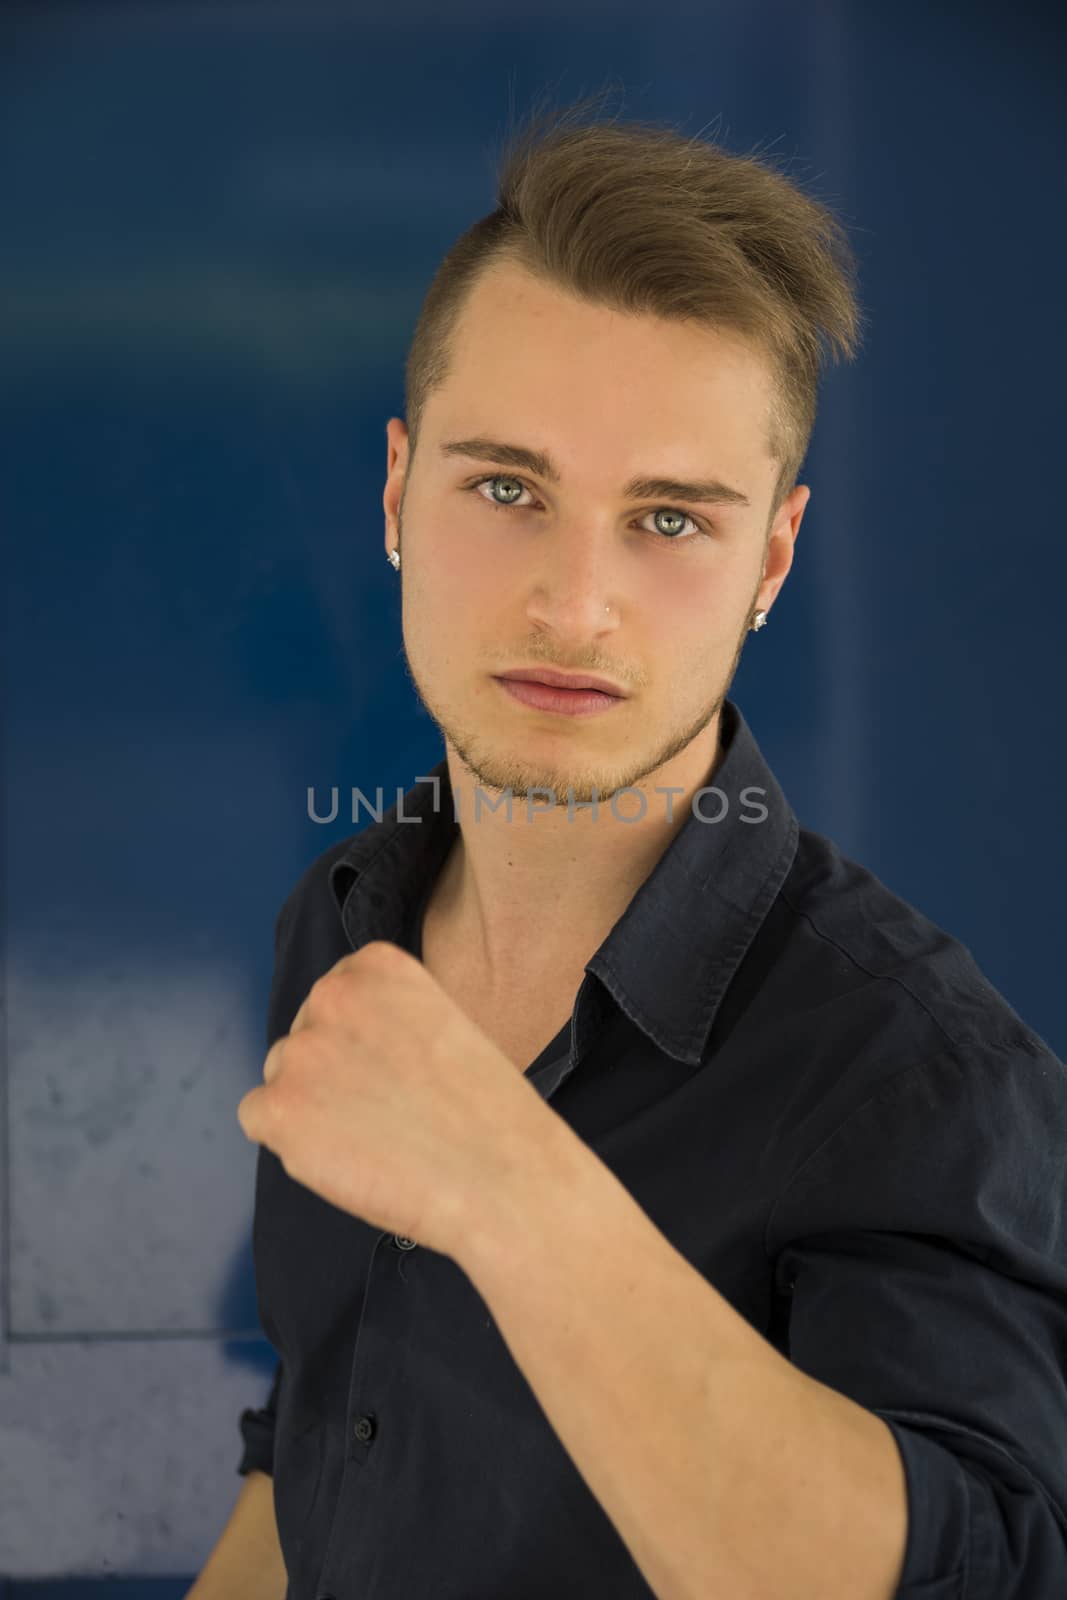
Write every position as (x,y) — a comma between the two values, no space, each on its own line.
(735,380)
(511,317)
(506,286)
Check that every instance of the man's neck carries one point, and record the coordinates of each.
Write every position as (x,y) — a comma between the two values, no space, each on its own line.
(538,895)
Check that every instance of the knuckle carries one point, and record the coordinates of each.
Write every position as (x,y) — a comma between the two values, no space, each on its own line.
(326,996)
(380,953)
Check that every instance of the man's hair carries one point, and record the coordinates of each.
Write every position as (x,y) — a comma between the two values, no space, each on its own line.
(643,219)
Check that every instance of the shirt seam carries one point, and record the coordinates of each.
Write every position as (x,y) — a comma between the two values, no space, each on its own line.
(882,977)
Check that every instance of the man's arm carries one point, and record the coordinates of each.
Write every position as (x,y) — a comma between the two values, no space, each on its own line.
(725,1470)
(246,1563)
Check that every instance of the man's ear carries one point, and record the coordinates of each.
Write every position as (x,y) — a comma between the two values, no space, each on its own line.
(780,545)
(396,461)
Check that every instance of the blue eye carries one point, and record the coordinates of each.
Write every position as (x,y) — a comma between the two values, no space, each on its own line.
(500,505)
(663,538)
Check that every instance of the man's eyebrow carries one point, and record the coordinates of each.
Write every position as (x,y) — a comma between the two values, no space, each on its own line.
(704,491)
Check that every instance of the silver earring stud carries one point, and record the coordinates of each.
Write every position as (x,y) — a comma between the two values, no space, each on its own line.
(758,621)
(394,557)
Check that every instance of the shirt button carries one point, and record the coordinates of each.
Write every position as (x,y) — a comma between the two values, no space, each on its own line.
(364,1429)
(402,1242)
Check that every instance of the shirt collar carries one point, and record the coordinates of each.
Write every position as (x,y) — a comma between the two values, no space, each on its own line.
(669,958)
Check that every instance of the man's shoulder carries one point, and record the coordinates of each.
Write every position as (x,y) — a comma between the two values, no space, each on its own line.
(849,920)
(917,1085)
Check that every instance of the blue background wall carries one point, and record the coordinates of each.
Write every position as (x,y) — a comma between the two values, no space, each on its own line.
(219,222)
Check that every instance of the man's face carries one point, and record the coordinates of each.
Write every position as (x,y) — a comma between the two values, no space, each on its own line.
(652,592)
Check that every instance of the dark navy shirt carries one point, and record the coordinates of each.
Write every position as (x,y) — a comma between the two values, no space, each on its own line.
(817,1097)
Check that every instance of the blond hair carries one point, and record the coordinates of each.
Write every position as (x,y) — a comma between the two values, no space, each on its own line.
(643,219)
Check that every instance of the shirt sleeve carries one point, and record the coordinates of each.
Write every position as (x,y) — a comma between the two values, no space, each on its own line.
(922,1254)
(257,1431)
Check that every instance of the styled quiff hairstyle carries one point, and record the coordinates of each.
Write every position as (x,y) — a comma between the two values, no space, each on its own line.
(643,219)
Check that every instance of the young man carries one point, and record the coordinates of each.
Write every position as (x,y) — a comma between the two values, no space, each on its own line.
(648,1201)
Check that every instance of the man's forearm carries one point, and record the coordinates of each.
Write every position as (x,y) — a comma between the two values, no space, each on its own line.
(727,1472)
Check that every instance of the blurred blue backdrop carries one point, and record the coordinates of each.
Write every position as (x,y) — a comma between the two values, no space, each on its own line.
(219,221)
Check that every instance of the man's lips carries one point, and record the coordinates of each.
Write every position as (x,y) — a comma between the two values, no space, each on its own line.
(564,680)
(550,698)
